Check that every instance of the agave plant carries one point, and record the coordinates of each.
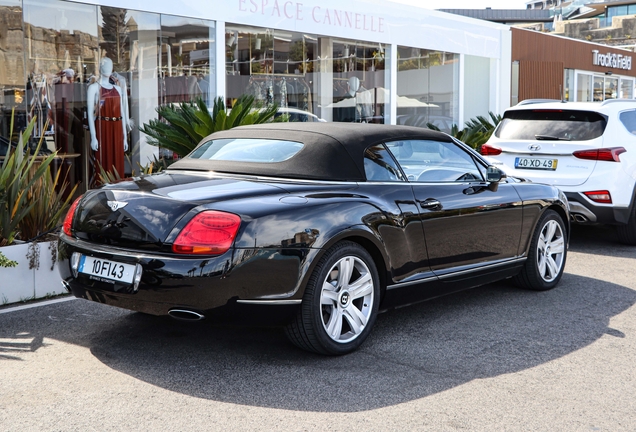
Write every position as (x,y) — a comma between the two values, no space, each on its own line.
(48,205)
(19,171)
(181,127)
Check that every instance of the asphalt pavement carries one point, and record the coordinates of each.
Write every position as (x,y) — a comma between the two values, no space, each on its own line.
(492,358)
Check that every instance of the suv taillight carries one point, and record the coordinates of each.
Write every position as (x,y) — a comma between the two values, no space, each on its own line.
(600,196)
(68,220)
(603,154)
(490,150)
(209,232)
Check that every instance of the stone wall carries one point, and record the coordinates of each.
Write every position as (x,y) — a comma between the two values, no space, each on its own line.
(622,31)
(11,48)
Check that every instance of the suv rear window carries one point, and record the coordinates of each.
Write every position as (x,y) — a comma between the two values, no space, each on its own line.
(541,124)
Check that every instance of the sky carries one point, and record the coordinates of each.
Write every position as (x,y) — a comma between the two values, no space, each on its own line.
(466,4)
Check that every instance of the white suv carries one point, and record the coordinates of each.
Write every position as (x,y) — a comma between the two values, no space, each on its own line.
(587,149)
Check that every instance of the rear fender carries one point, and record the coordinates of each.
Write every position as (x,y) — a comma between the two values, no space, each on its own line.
(311,227)
(535,204)
(360,234)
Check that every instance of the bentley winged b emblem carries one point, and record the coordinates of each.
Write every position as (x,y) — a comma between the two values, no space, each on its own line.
(116,205)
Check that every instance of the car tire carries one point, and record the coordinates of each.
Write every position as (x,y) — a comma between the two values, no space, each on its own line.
(546,258)
(338,312)
(626,233)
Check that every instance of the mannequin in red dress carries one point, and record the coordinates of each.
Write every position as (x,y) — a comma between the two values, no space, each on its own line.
(106,121)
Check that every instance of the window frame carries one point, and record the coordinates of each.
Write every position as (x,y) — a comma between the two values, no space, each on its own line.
(479,164)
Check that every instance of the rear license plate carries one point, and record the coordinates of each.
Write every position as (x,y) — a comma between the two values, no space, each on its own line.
(536,163)
(106,271)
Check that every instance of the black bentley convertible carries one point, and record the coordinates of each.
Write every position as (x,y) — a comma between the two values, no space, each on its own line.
(336,221)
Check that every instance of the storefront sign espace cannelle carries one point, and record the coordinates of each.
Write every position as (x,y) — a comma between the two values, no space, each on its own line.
(610,60)
(296,11)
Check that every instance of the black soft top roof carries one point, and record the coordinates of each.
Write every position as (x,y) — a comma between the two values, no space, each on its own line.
(332,151)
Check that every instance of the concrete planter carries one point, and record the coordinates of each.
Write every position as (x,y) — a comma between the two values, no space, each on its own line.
(35,275)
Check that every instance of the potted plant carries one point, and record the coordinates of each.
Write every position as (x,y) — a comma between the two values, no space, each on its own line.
(30,209)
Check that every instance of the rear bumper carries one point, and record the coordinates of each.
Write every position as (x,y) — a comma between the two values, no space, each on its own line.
(583,211)
(192,283)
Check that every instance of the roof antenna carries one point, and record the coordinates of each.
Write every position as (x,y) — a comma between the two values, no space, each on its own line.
(562,94)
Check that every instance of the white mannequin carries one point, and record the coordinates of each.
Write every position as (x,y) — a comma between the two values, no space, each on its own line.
(92,97)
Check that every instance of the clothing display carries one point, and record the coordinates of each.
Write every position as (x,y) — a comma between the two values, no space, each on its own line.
(285,91)
(175,89)
(108,128)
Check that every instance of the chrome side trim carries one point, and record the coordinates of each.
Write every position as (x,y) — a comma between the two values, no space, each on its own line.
(409,283)
(485,267)
(270,302)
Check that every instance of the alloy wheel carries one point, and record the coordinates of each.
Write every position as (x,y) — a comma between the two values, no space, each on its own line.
(550,251)
(346,298)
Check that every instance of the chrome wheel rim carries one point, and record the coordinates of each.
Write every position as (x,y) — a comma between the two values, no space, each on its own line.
(550,251)
(346,299)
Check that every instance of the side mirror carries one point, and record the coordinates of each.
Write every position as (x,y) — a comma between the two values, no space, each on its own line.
(494,175)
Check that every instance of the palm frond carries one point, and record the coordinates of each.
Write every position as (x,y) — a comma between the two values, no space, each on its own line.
(180,128)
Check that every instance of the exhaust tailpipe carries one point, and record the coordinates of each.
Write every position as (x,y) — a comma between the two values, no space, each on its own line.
(580,218)
(185,315)
(67,286)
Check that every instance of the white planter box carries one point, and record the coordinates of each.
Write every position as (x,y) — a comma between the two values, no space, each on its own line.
(23,283)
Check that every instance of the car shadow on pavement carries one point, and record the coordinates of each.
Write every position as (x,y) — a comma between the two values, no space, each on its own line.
(599,240)
(412,352)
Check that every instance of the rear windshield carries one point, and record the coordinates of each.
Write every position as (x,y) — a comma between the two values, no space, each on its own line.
(563,125)
(247,150)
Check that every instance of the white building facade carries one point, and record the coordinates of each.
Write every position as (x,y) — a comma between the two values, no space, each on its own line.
(355,61)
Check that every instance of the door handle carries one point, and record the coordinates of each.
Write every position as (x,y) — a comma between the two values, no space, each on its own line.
(430,204)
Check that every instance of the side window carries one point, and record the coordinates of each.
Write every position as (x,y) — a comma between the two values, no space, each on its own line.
(379,165)
(434,161)
(628,118)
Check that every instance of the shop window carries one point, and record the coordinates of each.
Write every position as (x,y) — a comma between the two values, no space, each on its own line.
(599,85)
(428,88)
(187,60)
(359,91)
(584,89)
(273,66)
(610,88)
(62,51)
(627,88)
(12,72)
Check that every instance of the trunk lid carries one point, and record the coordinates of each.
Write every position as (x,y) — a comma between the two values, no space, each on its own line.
(141,213)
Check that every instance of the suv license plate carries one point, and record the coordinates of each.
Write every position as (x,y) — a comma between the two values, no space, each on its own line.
(536,163)
(105,270)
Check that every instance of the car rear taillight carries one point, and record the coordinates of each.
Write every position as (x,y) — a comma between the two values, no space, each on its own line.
(68,220)
(603,154)
(600,196)
(209,232)
(490,150)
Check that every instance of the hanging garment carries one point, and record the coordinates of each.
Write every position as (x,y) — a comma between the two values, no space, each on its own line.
(109,131)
